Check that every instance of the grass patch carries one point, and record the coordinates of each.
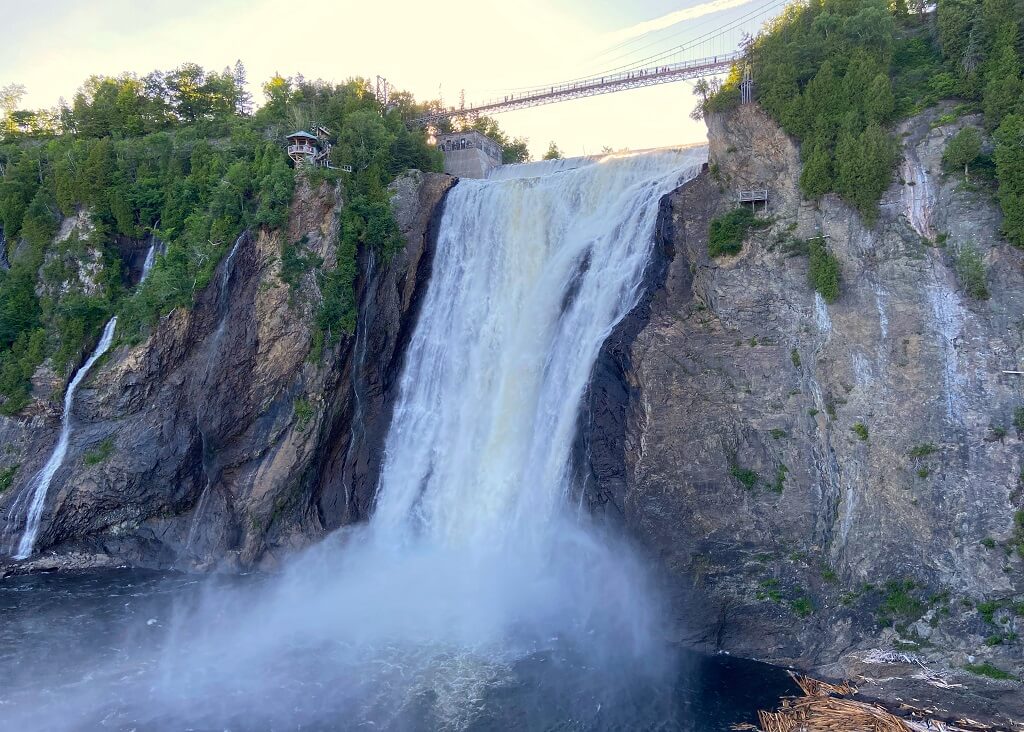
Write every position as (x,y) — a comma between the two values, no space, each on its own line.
(923,450)
(988,670)
(99,453)
(899,602)
(727,232)
(861,430)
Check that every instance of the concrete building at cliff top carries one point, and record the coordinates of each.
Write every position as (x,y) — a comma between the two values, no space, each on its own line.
(468,154)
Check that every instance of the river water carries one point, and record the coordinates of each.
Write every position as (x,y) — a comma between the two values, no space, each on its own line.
(79,651)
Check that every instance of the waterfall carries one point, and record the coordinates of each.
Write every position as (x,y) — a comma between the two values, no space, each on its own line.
(533,269)
(148,263)
(476,580)
(41,483)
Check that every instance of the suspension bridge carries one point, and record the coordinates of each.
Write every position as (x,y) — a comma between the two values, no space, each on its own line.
(711,53)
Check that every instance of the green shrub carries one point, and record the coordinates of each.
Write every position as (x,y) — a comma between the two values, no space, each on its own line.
(296,262)
(970,268)
(802,606)
(747,478)
(7,476)
(900,602)
(823,270)
(1018,420)
(99,453)
(727,232)
(794,356)
(779,483)
(988,542)
(923,450)
(861,430)
(990,671)
(303,413)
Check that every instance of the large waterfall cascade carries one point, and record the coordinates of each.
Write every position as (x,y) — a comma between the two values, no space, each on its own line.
(475,571)
(35,493)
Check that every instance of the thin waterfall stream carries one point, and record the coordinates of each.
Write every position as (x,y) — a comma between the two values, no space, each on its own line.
(35,493)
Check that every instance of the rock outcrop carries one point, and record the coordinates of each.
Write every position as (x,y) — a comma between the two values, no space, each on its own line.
(223,439)
(821,480)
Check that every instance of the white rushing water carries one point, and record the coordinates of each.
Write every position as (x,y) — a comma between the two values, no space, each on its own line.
(147,264)
(35,495)
(533,269)
(476,571)
(36,491)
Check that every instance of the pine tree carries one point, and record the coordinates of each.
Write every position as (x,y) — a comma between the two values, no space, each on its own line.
(243,99)
(1009,159)
(880,102)
(816,178)
(1003,85)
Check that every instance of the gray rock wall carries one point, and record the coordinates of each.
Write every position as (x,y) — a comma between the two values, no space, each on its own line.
(223,431)
(778,527)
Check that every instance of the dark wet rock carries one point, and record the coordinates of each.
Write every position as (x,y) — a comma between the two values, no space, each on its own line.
(223,431)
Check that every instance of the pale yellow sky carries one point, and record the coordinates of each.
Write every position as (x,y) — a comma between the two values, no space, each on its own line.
(481,46)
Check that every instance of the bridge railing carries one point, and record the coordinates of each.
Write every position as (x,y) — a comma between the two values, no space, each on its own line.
(592,85)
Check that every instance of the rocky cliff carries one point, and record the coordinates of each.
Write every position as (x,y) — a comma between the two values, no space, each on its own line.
(827,483)
(225,438)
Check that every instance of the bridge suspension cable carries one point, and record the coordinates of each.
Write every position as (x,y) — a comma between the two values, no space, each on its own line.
(660,68)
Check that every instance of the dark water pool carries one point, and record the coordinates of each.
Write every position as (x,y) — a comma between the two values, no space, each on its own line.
(97,650)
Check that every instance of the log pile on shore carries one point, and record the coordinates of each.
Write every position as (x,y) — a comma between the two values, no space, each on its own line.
(826,707)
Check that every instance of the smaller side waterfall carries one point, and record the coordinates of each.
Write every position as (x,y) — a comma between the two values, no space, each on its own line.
(148,263)
(36,492)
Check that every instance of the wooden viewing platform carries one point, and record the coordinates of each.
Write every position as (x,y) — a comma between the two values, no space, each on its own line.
(753,196)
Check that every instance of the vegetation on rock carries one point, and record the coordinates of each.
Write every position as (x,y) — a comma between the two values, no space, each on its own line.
(823,270)
(179,156)
(727,232)
(836,73)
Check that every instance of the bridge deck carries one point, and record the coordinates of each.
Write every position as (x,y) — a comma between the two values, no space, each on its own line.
(593,86)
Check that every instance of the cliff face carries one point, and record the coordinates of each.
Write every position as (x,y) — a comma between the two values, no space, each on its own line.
(221,440)
(821,480)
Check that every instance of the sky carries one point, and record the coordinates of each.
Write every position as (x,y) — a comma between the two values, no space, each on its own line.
(482,47)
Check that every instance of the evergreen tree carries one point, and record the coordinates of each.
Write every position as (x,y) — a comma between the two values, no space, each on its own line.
(1003,85)
(1009,160)
(880,102)
(553,152)
(816,178)
(243,99)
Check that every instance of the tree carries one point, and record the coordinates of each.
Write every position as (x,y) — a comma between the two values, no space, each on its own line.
(1009,160)
(816,178)
(516,151)
(962,149)
(880,102)
(553,152)
(10,98)
(243,99)
(1003,85)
